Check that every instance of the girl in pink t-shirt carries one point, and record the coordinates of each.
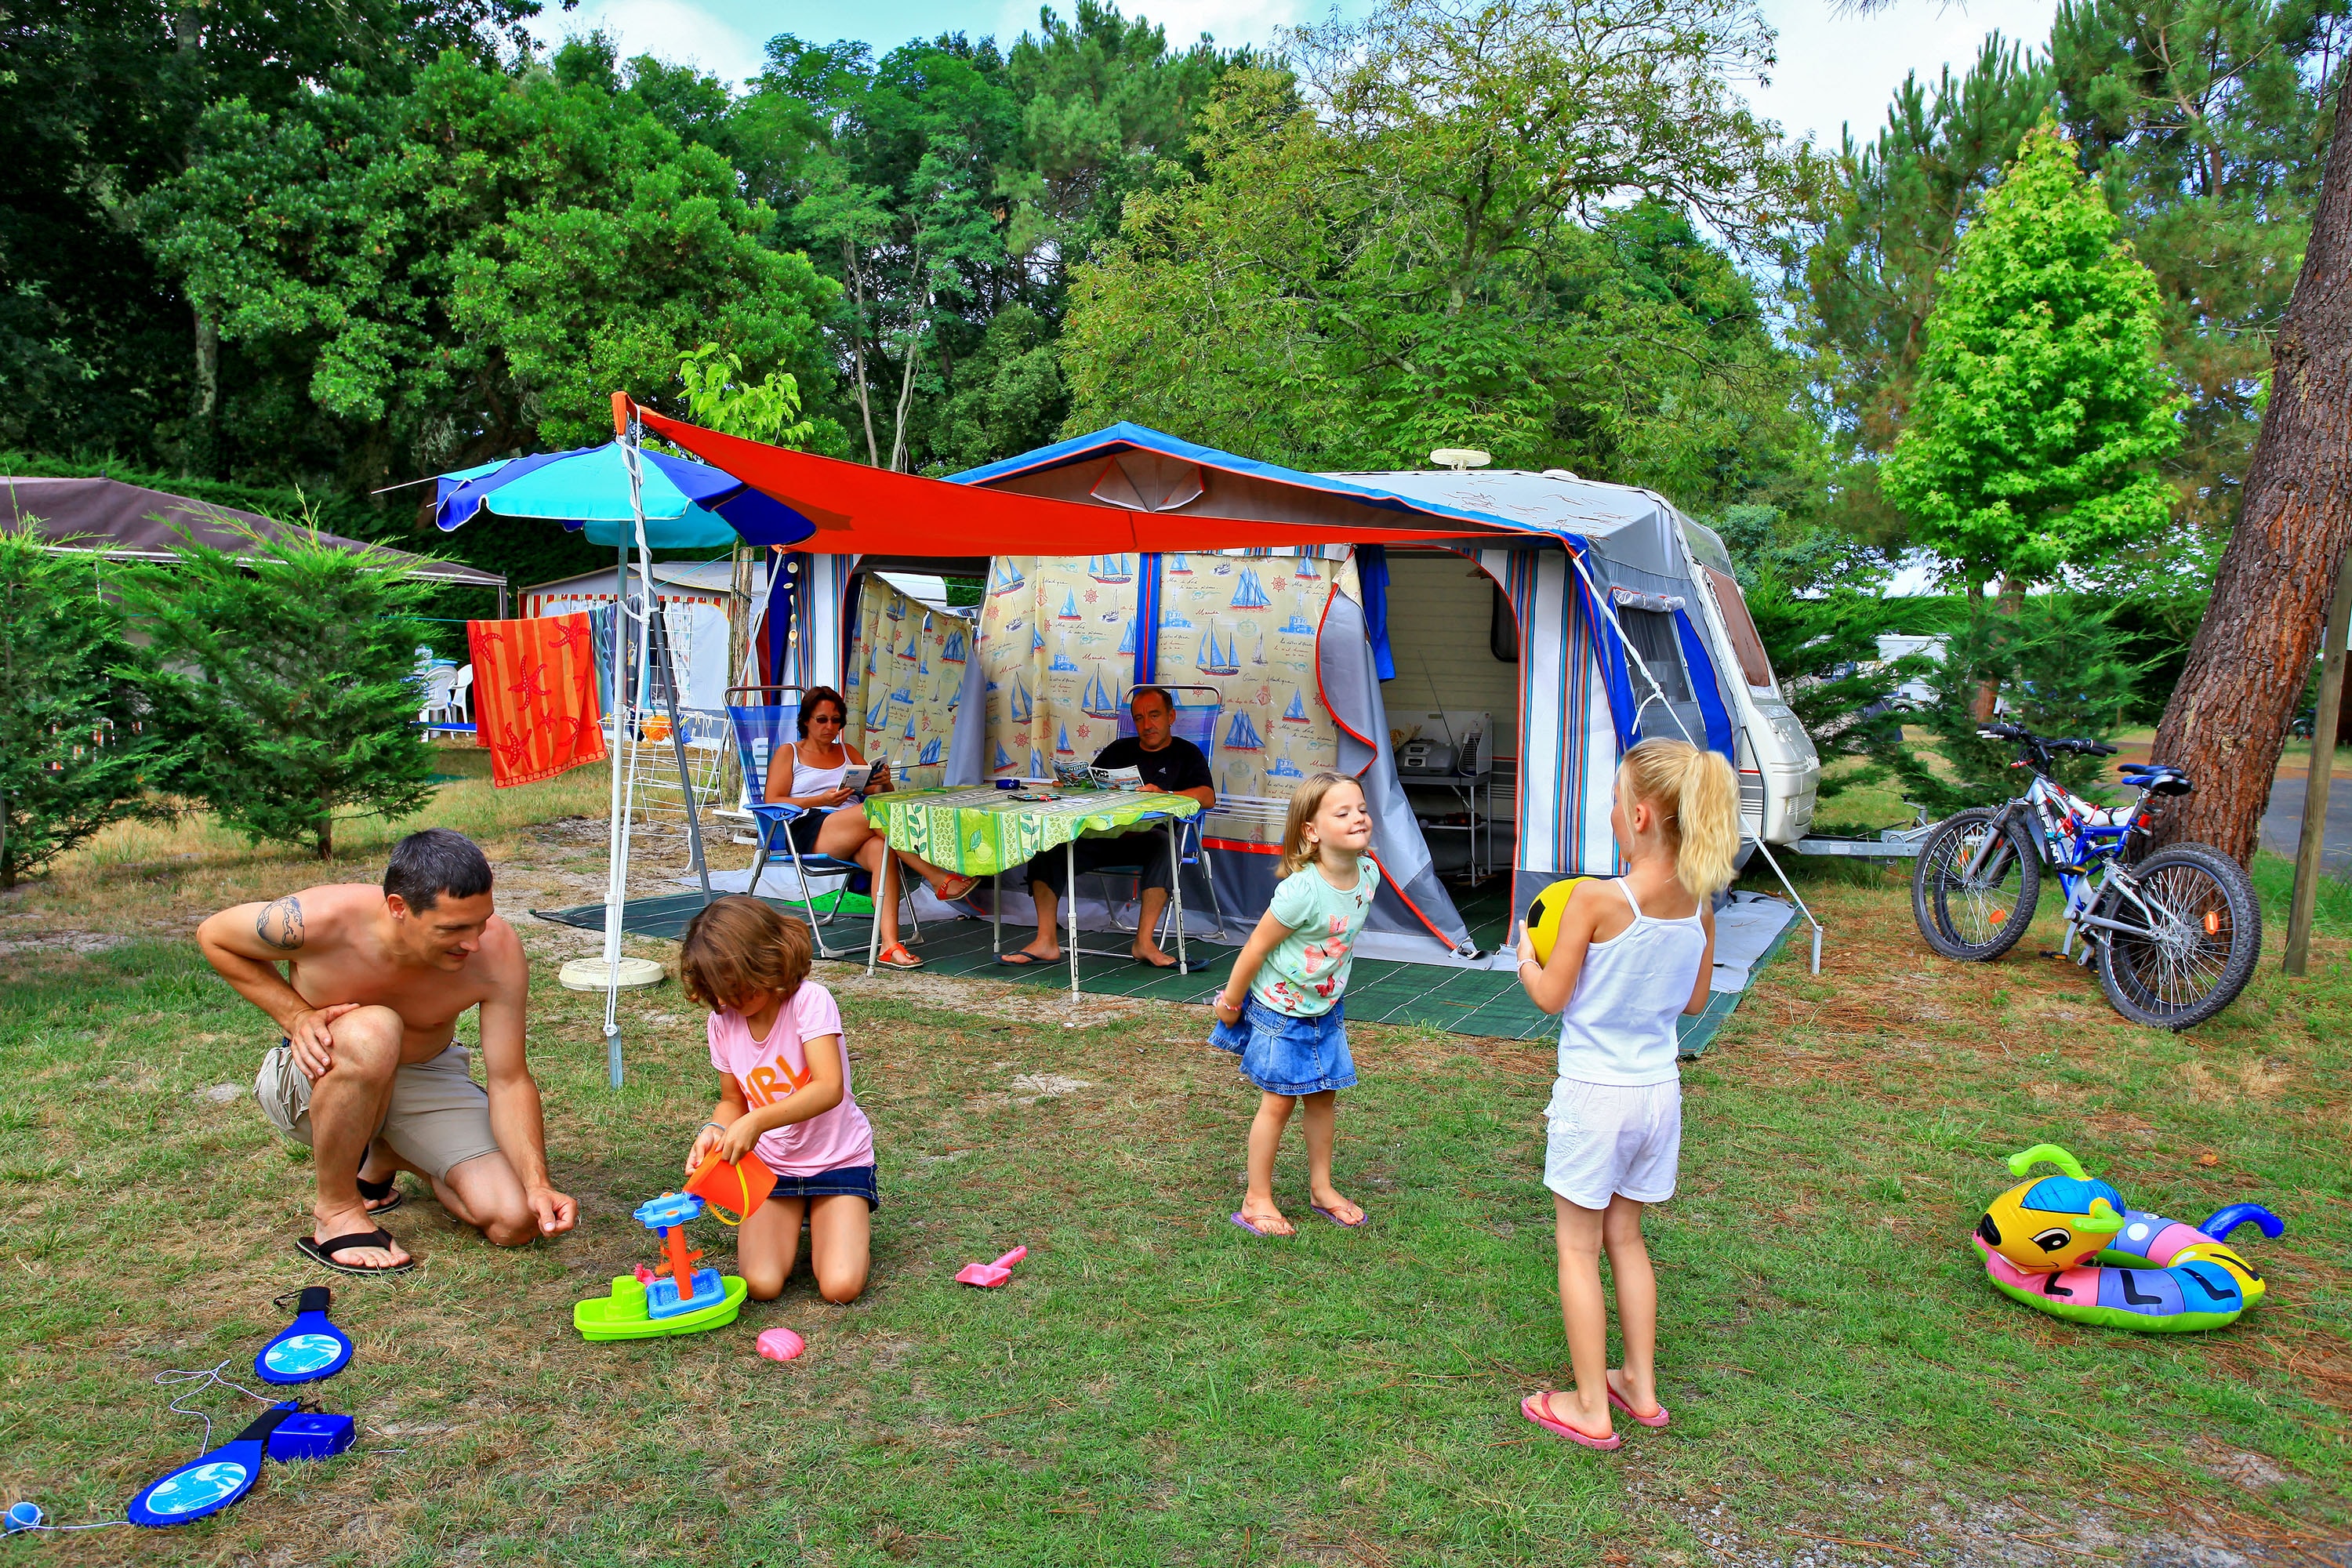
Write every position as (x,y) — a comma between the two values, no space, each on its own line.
(783,1095)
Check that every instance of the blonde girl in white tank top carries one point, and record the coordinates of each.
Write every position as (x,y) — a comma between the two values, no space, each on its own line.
(1633,954)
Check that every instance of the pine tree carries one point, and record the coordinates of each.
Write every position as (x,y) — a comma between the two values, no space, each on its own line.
(74,754)
(287,677)
(2042,405)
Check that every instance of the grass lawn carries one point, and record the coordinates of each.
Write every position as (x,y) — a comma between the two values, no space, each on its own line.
(1157,1386)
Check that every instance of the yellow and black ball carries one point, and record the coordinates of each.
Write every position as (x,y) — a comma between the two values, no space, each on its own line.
(1544,915)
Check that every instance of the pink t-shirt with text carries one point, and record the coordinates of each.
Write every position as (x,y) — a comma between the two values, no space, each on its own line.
(771,1070)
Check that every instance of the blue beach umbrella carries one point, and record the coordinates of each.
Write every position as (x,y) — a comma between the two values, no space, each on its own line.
(687,505)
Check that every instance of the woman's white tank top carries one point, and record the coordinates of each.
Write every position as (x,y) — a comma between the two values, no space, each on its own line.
(808,781)
(1619,1028)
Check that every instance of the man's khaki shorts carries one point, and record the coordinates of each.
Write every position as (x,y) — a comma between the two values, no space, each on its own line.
(439,1117)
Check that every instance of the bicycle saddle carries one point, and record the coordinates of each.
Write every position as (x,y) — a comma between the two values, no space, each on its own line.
(2155,778)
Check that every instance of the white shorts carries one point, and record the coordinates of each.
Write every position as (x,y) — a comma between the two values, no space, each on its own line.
(1610,1140)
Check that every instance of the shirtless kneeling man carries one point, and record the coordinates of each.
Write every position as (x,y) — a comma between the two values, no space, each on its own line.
(368,1073)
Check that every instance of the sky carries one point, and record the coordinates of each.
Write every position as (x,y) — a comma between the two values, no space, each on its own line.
(1833,70)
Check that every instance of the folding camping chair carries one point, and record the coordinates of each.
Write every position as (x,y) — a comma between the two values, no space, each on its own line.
(764,732)
(1195,721)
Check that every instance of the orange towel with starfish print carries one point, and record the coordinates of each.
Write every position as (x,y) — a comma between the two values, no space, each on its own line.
(535,700)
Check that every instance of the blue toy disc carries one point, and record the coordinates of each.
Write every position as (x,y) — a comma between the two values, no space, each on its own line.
(303,1355)
(197,1489)
(309,1348)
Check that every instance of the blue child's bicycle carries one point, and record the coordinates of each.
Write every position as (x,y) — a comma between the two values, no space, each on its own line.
(2175,934)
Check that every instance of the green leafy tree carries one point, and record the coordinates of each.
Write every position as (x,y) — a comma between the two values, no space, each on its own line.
(718,398)
(2042,406)
(74,754)
(1893,209)
(470,267)
(2060,666)
(285,677)
(103,100)
(1417,244)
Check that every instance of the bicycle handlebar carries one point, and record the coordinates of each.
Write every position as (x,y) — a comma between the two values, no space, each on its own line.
(2039,747)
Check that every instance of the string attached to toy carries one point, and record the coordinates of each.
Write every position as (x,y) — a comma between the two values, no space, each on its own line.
(202,1378)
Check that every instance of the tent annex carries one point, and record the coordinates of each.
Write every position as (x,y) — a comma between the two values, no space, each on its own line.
(1576,616)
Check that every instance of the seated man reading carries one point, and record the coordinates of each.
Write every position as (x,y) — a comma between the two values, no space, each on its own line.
(1170,765)
(368,1072)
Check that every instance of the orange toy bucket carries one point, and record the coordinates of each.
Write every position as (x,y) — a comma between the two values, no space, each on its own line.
(738,1189)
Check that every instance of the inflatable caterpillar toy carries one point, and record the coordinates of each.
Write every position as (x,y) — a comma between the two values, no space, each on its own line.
(2068,1245)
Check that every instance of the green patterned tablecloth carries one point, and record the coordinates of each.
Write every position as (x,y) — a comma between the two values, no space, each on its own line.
(980,832)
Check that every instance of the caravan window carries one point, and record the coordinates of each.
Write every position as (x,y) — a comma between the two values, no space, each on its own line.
(1754,668)
(1652,633)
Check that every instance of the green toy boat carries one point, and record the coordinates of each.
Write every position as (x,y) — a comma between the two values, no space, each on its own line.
(621,1314)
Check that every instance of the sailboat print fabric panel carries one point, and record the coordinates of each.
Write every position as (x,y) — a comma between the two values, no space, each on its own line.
(1245,622)
(904,681)
(1057,647)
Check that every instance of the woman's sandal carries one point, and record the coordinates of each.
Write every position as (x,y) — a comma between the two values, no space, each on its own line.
(1535,1407)
(896,956)
(942,893)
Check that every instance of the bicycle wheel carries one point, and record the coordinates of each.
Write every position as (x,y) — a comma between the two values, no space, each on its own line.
(1979,918)
(2201,935)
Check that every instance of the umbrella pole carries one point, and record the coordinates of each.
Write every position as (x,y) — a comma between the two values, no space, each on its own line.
(617,893)
(616,862)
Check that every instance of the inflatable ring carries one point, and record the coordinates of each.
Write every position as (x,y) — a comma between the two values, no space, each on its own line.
(2069,1245)
(1544,914)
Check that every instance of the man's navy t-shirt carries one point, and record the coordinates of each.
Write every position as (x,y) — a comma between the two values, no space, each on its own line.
(1178,765)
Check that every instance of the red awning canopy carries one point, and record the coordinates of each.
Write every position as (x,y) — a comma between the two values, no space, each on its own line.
(860,509)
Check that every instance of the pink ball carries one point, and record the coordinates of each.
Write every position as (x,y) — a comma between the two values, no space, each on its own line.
(780,1344)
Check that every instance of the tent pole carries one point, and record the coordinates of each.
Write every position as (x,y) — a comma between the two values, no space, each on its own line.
(657,631)
(1766,850)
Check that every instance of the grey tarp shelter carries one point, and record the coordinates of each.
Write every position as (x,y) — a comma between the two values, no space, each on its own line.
(130,522)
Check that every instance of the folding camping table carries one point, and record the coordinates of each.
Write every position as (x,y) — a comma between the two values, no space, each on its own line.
(986,832)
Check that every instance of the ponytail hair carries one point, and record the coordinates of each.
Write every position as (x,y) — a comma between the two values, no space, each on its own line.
(1697,803)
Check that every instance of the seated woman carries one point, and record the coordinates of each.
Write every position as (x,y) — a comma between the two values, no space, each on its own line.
(819,759)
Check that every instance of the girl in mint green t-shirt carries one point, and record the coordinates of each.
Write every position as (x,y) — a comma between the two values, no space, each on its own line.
(1281,1011)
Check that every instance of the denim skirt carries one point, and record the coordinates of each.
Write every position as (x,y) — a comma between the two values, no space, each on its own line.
(1283,1054)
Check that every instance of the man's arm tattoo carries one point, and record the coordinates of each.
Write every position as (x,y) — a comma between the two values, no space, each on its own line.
(281,924)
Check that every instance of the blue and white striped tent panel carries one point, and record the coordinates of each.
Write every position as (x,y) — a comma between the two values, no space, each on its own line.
(1567,742)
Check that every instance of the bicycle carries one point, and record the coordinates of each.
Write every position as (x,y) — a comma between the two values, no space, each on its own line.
(2175,936)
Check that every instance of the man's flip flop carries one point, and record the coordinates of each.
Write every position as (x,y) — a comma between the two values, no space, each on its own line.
(1364,1217)
(1017,960)
(1170,967)
(323,1253)
(1533,1407)
(376,1192)
(1656,1422)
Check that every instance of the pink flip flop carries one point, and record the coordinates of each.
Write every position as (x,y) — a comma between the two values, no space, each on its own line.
(1532,1408)
(1656,1422)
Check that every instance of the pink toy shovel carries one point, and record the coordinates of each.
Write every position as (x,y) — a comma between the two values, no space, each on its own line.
(988,1275)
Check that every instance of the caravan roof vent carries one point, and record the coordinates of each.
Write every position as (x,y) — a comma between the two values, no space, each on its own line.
(1459,458)
(1557,474)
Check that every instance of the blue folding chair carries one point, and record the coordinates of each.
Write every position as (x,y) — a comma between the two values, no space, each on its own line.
(1195,721)
(765,730)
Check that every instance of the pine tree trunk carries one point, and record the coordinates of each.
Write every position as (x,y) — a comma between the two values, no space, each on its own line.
(2226,724)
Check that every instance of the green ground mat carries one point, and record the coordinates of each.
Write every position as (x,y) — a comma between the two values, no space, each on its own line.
(1487,1003)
